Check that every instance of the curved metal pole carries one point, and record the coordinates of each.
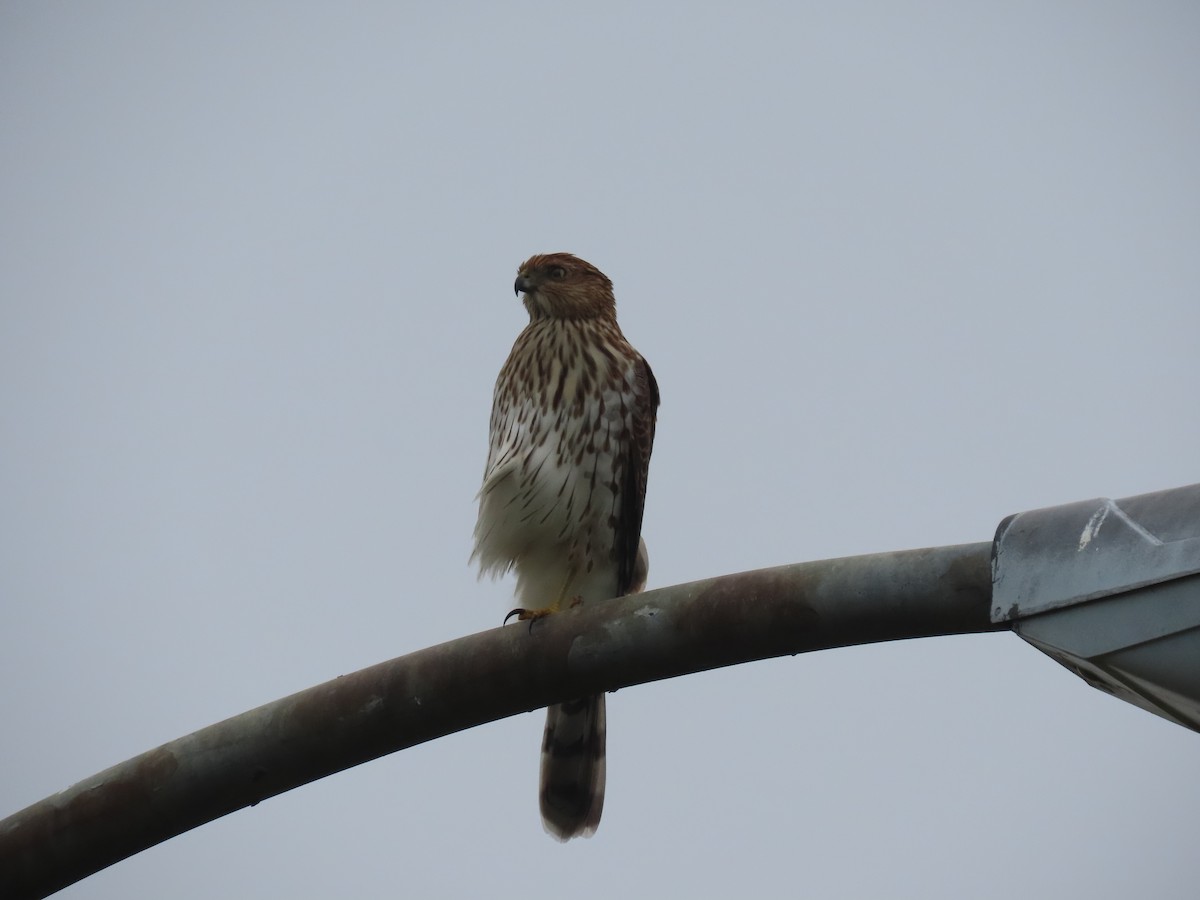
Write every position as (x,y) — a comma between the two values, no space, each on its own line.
(483,677)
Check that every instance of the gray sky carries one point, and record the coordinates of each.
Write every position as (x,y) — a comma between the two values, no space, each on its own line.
(901,270)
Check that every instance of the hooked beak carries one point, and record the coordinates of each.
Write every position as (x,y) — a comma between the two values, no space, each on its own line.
(523,283)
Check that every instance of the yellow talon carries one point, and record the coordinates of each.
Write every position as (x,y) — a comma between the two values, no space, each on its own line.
(530,615)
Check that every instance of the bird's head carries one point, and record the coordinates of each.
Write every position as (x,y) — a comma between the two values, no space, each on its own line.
(562,286)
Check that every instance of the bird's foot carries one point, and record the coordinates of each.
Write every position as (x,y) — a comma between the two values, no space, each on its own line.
(529,615)
(532,615)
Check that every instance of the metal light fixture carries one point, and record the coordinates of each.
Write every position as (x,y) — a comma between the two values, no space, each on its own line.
(1110,589)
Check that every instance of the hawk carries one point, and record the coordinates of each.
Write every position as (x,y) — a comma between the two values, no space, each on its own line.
(571,430)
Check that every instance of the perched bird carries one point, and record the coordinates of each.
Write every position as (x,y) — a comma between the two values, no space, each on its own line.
(572,426)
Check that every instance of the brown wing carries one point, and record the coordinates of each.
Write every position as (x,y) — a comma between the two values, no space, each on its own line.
(635,470)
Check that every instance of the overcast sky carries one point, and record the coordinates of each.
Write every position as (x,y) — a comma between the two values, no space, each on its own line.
(901,270)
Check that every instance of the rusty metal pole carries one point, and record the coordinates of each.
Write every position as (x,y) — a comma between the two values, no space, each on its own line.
(483,677)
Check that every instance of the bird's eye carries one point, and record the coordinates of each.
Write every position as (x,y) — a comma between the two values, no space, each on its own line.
(558,273)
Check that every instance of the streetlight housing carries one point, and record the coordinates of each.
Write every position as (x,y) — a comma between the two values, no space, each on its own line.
(1111,590)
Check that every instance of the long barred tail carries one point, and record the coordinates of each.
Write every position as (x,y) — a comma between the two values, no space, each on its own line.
(572,786)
